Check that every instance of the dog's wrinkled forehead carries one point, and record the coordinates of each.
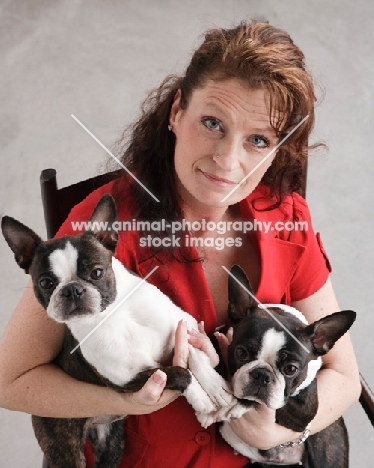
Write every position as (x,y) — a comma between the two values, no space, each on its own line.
(67,256)
(254,327)
(64,262)
(263,336)
(272,343)
(264,346)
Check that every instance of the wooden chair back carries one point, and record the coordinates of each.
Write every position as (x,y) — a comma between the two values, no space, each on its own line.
(57,203)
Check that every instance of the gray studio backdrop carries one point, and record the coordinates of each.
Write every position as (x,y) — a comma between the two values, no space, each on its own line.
(97,60)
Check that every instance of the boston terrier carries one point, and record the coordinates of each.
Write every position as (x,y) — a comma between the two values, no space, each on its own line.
(273,359)
(81,284)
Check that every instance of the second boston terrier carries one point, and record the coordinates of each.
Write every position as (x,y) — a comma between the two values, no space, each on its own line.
(273,360)
(81,284)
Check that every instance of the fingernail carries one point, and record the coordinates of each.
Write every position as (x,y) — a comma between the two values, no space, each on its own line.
(192,331)
(159,377)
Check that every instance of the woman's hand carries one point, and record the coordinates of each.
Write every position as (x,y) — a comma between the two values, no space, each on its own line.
(223,342)
(153,396)
(199,339)
(258,429)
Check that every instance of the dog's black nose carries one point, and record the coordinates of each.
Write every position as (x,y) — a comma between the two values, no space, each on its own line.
(73,291)
(262,376)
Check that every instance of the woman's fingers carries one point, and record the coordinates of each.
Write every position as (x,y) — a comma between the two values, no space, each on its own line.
(223,342)
(152,390)
(152,396)
(181,345)
(199,339)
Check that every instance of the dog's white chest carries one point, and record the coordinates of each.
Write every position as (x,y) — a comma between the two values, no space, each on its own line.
(134,333)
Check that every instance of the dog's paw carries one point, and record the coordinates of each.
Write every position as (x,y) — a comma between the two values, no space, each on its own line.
(213,384)
(221,395)
(206,419)
(198,398)
(221,414)
(225,413)
(203,404)
(235,412)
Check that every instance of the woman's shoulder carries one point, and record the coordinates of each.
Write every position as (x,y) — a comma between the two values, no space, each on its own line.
(292,206)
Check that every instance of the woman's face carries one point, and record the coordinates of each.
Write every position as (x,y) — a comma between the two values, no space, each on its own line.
(223,134)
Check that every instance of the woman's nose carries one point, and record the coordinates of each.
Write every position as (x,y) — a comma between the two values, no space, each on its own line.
(228,153)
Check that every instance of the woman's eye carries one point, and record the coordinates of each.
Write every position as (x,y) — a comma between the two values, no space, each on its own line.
(259,141)
(212,123)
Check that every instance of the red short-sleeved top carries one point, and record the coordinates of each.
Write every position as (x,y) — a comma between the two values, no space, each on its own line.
(294,265)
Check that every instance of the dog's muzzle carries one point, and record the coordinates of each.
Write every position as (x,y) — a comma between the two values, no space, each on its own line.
(73,291)
(262,377)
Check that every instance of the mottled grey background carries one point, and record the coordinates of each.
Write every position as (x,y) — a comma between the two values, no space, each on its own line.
(98,59)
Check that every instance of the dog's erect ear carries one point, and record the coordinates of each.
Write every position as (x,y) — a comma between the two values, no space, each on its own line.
(102,220)
(325,332)
(240,302)
(22,240)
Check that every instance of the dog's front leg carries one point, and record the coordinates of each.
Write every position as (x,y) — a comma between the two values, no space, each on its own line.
(212,383)
(179,379)
(227,406)
(200,401)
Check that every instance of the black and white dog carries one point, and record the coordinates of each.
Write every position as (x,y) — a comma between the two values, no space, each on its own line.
(268,365)
(80,283)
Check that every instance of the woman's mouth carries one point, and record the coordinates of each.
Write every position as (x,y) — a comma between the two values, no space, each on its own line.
(217,180)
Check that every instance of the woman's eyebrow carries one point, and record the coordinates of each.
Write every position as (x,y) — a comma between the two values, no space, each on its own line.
(267,128)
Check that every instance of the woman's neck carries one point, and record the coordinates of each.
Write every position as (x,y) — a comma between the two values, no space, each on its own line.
(204,215)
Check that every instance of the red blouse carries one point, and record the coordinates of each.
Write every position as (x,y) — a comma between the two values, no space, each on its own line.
(294,265)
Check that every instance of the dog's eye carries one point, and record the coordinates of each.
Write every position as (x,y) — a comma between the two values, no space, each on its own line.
(46,283)
(290,369)
(97,273)
(241,353)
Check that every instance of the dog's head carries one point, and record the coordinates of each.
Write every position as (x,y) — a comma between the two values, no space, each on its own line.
(274,353)
(72,276)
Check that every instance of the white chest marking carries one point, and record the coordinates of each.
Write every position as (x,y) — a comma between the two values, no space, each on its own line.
(64,262)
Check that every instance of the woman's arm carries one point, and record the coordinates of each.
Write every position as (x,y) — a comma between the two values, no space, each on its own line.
(29,382)
(338,383)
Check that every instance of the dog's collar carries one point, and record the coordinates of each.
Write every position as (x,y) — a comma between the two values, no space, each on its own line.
(291,310)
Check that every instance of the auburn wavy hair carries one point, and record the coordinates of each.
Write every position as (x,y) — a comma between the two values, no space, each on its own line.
(261,56)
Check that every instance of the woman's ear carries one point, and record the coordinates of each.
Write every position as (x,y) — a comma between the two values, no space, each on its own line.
(175,110)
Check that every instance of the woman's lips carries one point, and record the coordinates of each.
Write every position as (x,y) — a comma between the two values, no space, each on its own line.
(216,179)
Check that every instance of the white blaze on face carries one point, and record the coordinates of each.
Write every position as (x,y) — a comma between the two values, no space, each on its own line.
(315,364)
(272,343)
(64,262)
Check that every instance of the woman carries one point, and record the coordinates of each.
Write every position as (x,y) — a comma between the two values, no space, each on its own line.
(199,137)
